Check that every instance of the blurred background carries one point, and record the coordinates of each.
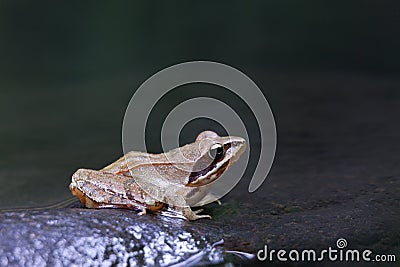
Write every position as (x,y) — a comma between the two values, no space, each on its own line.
(68,71)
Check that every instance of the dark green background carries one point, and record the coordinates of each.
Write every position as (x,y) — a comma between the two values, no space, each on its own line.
(79,41)
(68,70)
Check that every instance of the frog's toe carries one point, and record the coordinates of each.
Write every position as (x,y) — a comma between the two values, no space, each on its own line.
(197,211)
(142,212)
(205,216)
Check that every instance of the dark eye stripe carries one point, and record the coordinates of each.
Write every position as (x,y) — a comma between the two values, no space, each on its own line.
(195,175)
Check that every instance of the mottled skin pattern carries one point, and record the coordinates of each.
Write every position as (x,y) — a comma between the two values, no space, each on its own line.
(177,179)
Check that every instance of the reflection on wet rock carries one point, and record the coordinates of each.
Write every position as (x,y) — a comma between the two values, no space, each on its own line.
(104,237)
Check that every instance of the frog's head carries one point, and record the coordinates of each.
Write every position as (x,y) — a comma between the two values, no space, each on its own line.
(215,155)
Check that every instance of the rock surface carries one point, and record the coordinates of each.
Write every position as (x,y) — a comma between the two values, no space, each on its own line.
(85,237)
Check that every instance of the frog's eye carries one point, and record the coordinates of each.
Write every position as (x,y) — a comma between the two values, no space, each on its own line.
(216,151)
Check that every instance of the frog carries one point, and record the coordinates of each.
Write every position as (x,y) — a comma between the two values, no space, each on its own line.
(177,180)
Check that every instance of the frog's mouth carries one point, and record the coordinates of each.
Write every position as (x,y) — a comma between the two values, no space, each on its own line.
(207,175)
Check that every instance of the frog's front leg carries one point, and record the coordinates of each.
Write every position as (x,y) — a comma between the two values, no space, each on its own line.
(179,204)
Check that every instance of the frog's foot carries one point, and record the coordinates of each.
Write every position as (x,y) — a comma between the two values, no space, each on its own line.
(142,212)
(191,215)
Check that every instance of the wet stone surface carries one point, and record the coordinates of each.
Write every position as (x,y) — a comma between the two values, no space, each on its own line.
(63,237)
